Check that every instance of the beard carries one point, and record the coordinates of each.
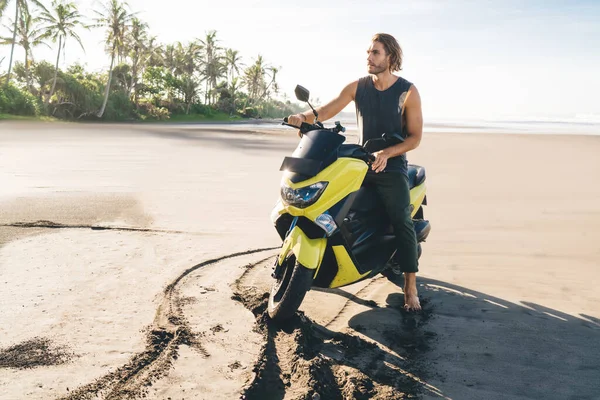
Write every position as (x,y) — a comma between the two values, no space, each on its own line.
(377,69)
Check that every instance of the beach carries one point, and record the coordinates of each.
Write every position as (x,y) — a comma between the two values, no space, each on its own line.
(135,258)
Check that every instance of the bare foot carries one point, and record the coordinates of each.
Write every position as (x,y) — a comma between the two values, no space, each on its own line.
(411,296)
(411,302)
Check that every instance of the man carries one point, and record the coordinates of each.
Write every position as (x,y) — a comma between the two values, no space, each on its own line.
(386,103)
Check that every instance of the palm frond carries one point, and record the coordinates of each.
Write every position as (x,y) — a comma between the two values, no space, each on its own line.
(3,6)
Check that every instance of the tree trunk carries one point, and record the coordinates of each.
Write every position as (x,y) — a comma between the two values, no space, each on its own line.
(140,84)
(12,47)
(107,90)
(27,74)
(132,85)
(213,85)
(55,72)
(233,94)
(206,93)
(266,90)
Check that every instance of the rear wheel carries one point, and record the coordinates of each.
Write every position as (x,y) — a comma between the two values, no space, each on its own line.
(288,292)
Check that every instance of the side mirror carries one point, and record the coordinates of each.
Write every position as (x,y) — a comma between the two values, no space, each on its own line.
(302,93)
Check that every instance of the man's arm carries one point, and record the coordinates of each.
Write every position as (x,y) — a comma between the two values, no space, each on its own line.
(414,124)
(330,109)
(414,131)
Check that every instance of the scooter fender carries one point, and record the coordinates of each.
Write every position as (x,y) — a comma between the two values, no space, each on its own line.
(308,252)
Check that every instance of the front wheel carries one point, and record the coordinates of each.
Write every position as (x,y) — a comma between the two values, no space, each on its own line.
(288,292)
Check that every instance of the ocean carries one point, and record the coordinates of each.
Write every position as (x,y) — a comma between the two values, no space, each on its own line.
(538,126)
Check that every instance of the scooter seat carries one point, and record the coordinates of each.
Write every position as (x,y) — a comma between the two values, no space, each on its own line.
(416,175)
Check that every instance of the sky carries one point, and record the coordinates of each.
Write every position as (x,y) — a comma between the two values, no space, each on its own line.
(469,59)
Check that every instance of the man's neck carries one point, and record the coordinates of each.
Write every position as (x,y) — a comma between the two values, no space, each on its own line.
(384,80)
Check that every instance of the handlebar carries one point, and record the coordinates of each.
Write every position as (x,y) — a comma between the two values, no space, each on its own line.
(305,128)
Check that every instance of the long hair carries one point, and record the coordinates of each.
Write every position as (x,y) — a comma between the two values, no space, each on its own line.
(392,48)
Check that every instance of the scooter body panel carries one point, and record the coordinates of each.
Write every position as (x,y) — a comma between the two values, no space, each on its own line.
(343,177)
(417,195)
(308,252)
(347,271)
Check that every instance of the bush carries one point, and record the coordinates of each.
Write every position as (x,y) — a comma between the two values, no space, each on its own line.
(250,112)
(159,113)
(76,97)
(18,102)
(201,109)
(119,107)
(148,111)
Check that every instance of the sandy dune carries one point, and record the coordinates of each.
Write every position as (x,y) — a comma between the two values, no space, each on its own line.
(113,278)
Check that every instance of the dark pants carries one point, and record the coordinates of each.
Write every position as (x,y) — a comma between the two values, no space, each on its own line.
(393,189)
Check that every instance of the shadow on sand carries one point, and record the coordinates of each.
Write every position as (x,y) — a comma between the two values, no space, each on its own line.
(487,348)
(463,345)
(229,138)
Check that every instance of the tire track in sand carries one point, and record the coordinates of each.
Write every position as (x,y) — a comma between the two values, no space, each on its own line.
(353,298)
(44,224)
(169,330)
(302,359)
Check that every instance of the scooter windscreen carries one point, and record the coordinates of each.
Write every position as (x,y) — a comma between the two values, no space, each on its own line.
(316,151)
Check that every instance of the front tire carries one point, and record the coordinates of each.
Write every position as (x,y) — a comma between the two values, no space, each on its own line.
(288,292)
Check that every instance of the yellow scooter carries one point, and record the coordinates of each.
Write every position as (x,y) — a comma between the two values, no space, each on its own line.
(335,231)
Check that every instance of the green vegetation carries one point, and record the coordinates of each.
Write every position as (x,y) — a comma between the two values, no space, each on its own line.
(13,117)
(147,81)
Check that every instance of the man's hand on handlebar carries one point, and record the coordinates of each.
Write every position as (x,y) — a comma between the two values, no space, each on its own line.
(296,119)
(299,121)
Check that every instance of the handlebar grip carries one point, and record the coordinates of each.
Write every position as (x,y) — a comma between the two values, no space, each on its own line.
(285,119)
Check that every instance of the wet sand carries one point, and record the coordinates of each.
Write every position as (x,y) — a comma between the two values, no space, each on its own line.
(111,246)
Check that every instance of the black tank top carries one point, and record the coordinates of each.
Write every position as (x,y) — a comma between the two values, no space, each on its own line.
(381,111)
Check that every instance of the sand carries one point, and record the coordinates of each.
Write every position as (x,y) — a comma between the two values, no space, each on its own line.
(114,286)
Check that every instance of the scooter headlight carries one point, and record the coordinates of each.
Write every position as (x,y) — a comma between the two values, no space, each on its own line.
(302,197)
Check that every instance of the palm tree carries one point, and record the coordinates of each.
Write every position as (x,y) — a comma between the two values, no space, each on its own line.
(233,88)
(190,57)
(152,56)
(153,53)
(116,19)
(137,43)
(273,83)
(255,80)
(14,38)
(212,67)
(170,58)
(3,4)
(27,36)
(232,62)
(62,22)
(19,5)
(189,89)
